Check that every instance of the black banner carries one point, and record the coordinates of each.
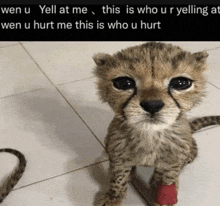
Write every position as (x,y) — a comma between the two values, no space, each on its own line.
(109,22)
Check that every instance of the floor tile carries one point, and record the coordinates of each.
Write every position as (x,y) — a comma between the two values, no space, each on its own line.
(18,73)
(83,97)
(200,180)
(209,105)
(62,61)
(69,61)
(49,133)
(78,188)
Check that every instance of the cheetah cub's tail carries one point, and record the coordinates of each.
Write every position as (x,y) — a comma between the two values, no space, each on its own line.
(204,122)
(14,177)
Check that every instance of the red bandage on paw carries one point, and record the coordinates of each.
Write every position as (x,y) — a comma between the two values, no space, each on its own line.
(166,194)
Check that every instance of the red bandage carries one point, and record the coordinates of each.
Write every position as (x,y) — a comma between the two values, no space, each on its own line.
(166,194)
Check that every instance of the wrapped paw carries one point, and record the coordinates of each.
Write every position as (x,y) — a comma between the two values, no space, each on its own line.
(166,194)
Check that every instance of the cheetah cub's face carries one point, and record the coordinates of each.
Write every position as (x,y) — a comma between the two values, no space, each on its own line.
(152,84)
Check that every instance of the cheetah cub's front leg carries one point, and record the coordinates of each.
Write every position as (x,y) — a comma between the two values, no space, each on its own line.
(167,186)
(154,183)
(118,186)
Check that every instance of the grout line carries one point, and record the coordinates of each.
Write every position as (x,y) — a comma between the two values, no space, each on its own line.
(87,166)
(12,95)
(138,191)
(9,45)
(75,81)
(80,117)
(63,96)
(213,85)
(213,49)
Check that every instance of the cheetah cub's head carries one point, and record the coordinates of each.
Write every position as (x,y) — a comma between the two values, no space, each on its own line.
(151,85)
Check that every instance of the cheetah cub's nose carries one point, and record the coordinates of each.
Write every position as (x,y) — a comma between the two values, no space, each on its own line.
(152,106)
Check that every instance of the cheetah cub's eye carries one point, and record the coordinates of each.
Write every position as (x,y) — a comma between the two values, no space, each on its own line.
(180,83)
(123,83)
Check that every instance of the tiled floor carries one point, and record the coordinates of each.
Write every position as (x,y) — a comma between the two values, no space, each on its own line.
(50,112)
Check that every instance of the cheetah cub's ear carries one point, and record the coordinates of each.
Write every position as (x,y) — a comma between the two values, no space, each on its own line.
(198,60)
(200,57)
(103,60)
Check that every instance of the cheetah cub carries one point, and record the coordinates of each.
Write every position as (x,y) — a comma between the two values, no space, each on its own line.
(150,88)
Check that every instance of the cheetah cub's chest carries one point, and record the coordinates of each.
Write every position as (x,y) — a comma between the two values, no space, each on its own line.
(144,146)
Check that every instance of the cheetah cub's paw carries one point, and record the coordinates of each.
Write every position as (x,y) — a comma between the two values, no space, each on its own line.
(105,200)
(155,204)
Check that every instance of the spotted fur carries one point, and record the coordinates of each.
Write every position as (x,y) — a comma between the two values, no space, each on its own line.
(136,137)
(12,180)
(199,123)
